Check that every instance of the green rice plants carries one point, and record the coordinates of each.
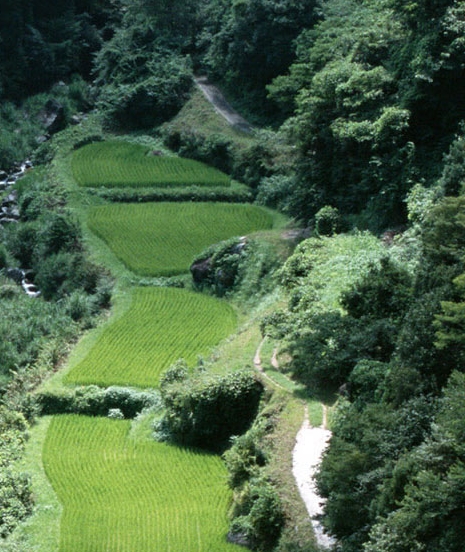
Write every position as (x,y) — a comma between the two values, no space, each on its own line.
(161,326)
(124,494)
(161,239)
(117,164)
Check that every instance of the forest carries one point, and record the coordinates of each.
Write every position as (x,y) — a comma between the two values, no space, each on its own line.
(358,116)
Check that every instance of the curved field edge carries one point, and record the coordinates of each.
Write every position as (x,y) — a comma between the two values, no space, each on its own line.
(160,326)
(115,164)
(126,494)
(162,239)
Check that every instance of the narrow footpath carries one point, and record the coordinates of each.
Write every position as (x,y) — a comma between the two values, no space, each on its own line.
(310,445)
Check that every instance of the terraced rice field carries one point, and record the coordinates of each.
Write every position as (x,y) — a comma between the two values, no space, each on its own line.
(121,495)
(116,164)
(161,239)
(161,326)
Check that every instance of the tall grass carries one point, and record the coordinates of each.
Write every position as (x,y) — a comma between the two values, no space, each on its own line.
(161,326)
(115,164)
(161,239)
(125,495)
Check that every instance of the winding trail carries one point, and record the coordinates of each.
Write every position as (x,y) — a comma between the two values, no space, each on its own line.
(310,445)
(219,102)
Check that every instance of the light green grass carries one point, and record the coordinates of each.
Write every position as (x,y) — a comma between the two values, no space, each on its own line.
(117,164)
(125,495)
(161,326)
(161,239)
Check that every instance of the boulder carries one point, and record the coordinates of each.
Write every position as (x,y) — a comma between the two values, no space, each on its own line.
(201,270)
(53,116)
(15,274)
(240,539)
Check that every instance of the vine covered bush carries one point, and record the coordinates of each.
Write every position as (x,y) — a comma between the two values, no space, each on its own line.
(206,410)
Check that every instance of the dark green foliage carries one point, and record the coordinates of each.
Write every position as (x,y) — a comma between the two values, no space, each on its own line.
(430,514)
(151,101)
(453,174)
(261,519)
(42,45)
(257,512)
(49,243)
(15,487)
(143,72)
(327,221)
(217,267)
(245,457)
(385,291)
(240,266)
(363,447)
(365,382)
(325,353)
(25,325)
(215,149)
(364,104)
(95,401)
(226,195)
(254,43)
(207,410)
(444,232)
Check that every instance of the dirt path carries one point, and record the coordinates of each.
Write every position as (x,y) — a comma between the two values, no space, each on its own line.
(216,98)
(310,444)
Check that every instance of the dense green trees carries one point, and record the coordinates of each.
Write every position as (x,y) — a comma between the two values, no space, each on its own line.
(390,339)
(253,43)
(373,110)
(44,43)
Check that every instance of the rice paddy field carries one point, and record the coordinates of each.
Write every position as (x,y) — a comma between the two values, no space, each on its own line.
(117,164)
(122,491)
(125,495)
(161,326)
(161,239)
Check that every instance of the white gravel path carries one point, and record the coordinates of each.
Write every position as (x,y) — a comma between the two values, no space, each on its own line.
(310,445)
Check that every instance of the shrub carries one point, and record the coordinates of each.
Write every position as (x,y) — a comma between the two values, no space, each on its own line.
(191,193)
(150,101)
(207,410)
(15,487)
(327,221)
(115,414)
(217,267)
(262,518)
(95,401)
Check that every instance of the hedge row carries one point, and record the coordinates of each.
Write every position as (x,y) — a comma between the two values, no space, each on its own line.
(96,401)
(192,193)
